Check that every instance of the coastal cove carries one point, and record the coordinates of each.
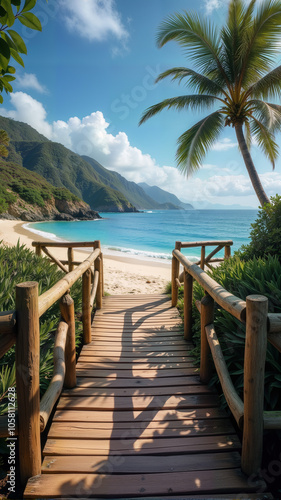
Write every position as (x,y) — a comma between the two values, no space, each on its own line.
(152,234)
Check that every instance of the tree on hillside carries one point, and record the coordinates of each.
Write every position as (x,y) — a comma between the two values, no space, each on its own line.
(11,43)
(235,70)
(4,143)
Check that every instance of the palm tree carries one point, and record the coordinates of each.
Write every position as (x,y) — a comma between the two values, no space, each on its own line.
(4,143)
(234,70)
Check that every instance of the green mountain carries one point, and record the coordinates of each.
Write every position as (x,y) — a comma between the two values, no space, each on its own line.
(103,189)
(132,191)
(27,196)
(162,196)
(65,169)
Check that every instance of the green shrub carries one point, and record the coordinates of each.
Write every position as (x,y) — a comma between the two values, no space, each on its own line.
(266,232)
(19,264)
(242,278)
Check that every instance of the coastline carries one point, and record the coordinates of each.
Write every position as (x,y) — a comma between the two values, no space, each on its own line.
(122,274)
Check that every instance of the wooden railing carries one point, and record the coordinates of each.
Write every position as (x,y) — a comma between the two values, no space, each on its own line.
(21,327)
(260,328)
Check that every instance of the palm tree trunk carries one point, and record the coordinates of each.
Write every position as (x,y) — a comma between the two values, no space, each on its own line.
(255,180)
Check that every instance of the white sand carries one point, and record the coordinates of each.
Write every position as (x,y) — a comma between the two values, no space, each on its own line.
(121,274)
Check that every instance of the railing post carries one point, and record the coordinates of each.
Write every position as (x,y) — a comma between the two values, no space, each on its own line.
(27,379)
(254,366)
(67,312)
(99,268)
(188,294)
(86,308)
(207,317)
(175,276)
(203,255)
(70,256)
(38,250)
(227,252)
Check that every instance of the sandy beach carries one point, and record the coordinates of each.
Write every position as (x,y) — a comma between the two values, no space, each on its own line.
(121,274)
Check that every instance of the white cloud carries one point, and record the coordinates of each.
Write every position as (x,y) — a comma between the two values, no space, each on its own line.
(90,136)
(30,111)
(224,145)
(212,5)
(94,20)
(30,81)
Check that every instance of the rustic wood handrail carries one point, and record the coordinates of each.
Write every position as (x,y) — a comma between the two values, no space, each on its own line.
(48,298)
(7,331)
(21,327)
(260,328)
(52,393)
(233,400)
(225,299)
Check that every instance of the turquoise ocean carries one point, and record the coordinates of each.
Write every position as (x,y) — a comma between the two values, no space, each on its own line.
(152,234)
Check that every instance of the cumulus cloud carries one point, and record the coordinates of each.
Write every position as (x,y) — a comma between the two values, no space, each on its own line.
(90,136)
(30,81)
(212,5)
(94,20)
(224,145)
(29,110)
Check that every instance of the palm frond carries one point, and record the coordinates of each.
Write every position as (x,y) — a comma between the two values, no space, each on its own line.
(268,86)
(197,36)
(260,42)
(196,81)
(197,102)
(268,114)
(232,39)
(265,140)
(195,142)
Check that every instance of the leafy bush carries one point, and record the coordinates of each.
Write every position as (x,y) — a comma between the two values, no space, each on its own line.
(19,264)
(266,232)
(242,278)
(29,195)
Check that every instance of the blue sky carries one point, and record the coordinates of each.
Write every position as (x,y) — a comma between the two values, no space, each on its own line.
(89,76)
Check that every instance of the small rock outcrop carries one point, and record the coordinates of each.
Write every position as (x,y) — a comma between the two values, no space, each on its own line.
(55,209)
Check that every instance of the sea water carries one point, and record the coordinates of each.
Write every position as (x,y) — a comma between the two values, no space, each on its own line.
(152,234)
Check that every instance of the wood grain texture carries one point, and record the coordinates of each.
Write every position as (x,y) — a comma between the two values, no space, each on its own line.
(139,423)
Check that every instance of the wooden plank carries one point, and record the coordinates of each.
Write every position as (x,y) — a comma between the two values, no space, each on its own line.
(108,349)
(129,349)
(148,446)
(86,363)
(138,382)
(138,391)
(92,356)
(138,415)
(167,343)
(152,373)
(217,481)
(140,464)
(136,332)
(154,430)
(138,402)
(225,496)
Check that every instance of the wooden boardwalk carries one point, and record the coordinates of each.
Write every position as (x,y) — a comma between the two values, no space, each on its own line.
(139,423)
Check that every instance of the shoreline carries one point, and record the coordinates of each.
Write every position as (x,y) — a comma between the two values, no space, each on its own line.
(122,274)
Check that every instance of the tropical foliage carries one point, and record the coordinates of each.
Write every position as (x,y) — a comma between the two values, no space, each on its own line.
(11,43)
(18,182)
(4,143)
(19,264)
(265,235)
(242,278)
(235,71)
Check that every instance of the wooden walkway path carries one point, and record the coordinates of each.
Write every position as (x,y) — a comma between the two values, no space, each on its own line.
(139,423)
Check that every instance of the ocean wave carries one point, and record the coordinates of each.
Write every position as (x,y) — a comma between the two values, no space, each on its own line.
(143,254)
(44,234)
(138,253)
